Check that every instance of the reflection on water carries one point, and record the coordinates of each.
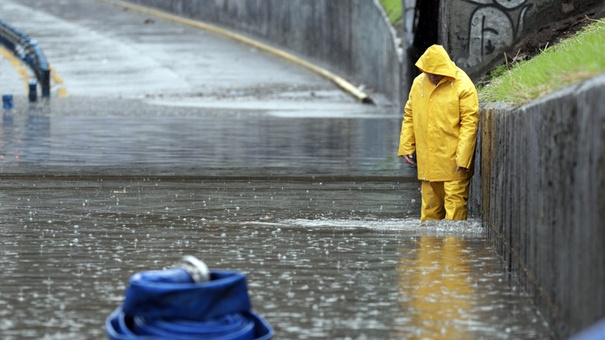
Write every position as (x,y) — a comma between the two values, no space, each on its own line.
(24,136)
(89,135)
(457,290)
(317,269)
(317,212)
(441,289)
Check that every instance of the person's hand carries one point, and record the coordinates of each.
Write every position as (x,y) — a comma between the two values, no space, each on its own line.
(461,169)
(408,159)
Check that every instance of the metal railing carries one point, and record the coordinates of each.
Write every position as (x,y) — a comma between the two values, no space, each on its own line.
(27,49)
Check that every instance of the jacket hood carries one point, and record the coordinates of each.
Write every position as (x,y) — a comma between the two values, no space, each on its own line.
(435,60)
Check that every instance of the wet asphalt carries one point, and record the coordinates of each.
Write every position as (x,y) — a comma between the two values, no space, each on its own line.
(161,140)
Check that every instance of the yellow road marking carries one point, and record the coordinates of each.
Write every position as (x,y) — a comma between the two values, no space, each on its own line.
(341,82)
(22,70)
(16,62)
(56,78)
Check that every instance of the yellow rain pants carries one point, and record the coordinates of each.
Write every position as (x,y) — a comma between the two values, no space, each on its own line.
(444,200)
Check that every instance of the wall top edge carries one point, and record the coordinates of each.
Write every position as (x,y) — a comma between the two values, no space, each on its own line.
(574,89)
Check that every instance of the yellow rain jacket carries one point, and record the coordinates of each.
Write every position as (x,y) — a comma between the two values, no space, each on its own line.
(440,122)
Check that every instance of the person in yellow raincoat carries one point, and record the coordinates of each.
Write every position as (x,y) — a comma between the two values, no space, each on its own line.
(440,124)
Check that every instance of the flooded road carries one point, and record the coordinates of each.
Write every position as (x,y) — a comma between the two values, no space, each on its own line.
(248,163)
(317,212)
(122,136)
(324,260)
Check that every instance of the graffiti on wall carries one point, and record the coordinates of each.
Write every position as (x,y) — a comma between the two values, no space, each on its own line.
(493,26)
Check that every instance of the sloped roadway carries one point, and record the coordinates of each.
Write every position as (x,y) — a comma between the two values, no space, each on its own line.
(162,140)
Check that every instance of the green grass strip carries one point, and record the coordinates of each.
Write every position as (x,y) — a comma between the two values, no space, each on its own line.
(569,62)
(393,8)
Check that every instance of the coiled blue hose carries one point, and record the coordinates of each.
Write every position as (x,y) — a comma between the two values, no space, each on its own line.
(167,304)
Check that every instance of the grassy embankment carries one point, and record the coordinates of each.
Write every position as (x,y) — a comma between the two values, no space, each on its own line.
(393,10)
(572,60)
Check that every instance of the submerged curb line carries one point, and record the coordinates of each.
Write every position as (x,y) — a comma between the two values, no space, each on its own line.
(341,82)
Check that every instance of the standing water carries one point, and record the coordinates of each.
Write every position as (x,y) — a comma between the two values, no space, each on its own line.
(316,269)
(246,162)
(316,213)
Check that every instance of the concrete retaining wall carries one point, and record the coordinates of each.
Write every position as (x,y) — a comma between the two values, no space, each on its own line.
(352,38)
(543,199)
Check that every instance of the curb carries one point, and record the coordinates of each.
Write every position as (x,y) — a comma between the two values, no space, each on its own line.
(339,81)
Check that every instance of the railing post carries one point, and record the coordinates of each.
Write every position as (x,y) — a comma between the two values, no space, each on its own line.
(33,93)
(45,83)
